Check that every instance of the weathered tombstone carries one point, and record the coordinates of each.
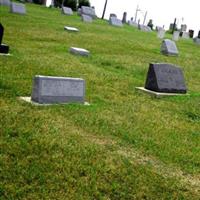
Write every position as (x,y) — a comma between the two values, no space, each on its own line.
(144,28)
(165,78)
(115,22)
(4,2)
(112,15)
(53,90)
(4,49)
(79,51)
(185,35)
(71,29)
(18,8)
(175,36)
(85,10)
(191,33)
(86,18)
(183,27)
(161,33)
(169,48)
(196,40)
(132,23)
(67,11)
(124,17)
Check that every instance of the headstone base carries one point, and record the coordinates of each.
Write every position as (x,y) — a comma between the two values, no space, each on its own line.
(4,48)
(28,100)
(71,29)
(157,94)
(79,51)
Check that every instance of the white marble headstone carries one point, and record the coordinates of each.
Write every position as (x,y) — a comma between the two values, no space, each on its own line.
(18,8)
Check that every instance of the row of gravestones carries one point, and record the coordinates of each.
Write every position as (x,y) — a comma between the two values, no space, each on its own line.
(87,13)
(50,90)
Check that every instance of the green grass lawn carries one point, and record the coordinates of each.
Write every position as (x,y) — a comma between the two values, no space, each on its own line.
(125,145)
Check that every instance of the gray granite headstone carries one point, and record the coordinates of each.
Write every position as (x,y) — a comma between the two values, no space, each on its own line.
(50,90)
(166,78)
(4,49)
(67,11)
(161,33)
(115,22)
(5,3)
(112,15)
(71,29)
(175,36)
(132,23)
(196,40)
(79,51)
(85,10)
(18,8)
(169,48)
(144,28)
(183,27)
(185,35)
(86,18)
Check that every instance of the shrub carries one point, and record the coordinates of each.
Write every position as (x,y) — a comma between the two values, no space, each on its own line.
(70,3)
(83,3)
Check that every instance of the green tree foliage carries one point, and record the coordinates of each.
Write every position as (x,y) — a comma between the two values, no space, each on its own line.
(83,3)
(70,3)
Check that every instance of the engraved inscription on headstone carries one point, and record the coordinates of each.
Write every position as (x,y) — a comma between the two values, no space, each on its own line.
(166,78)
(4,49)
(67,11)
(169,48)
(115,22)
(18,8)
(47,89)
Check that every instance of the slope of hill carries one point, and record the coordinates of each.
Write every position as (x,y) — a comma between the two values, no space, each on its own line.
(125,145)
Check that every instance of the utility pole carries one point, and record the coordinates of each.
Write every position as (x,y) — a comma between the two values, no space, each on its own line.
(145,16)
(136,12)
(104,10)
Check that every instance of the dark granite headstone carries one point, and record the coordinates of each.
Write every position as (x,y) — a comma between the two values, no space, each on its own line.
(169,48)
(166,78)
(124,17)
(3,47)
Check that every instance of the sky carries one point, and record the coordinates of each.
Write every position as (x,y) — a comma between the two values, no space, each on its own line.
(162,12)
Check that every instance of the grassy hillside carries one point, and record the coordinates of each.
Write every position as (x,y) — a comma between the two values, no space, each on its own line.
(125,145)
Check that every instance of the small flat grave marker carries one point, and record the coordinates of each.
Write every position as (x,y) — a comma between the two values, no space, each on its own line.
(115,22)
(86,18)
(67,11)
(56,90)
(79,51)
(4,49)
(169,48)
(71,29)
(18,8)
